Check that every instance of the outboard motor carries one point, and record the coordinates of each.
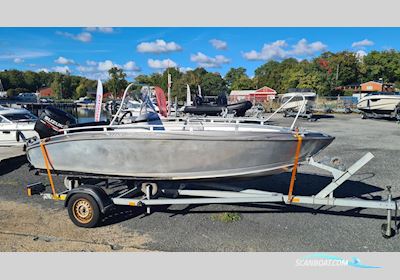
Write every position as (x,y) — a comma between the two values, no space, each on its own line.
(52,120)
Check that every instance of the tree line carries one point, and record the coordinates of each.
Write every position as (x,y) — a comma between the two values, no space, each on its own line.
(323,74)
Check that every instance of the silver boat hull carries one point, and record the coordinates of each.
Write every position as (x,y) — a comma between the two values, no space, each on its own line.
(175,156)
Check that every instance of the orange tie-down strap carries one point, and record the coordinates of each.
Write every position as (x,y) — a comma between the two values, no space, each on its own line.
(47,163)
(294,171)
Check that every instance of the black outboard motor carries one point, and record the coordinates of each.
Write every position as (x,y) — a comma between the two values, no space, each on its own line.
(52,120)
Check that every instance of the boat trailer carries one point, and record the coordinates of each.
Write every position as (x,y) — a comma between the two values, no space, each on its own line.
(87,203)
(395,115)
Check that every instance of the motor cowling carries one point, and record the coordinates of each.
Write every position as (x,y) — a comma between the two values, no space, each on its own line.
(52,120)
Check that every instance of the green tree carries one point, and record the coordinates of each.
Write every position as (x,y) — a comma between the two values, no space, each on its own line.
(117,82)
(213,84)
(233,75)
(56,86)
(268,74)
(242,82)
(31,80)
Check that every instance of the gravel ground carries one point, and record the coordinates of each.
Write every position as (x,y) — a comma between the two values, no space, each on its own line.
(261,227)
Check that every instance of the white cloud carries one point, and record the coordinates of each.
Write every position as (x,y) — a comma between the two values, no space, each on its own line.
(43,70)
(64,61)
(274,50)
(100,29)
(61,69)
(303,48)
(83,36)
(18,60)
(103,66)
(360,54)
(185,69)
(203,60)
(97,76)
(91,62)
(131,66)
(131,73)
(278,50)
(219,44)
(24,54)
(161,64)
(86,69)
(158,46)
(362,43)
(106,65)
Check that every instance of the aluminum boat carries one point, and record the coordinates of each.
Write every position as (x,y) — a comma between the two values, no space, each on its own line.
(169,150)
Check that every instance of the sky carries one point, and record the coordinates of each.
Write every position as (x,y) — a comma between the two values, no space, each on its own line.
(92,51)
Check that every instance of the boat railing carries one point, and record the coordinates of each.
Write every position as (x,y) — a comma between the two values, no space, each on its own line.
(283,106)
(236,120)
(191,126)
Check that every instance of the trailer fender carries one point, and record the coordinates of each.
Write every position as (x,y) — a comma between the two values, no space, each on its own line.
(101,197)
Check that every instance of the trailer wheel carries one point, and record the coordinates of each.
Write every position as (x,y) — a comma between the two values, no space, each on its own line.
(83,210)
(364,116)
(384,231)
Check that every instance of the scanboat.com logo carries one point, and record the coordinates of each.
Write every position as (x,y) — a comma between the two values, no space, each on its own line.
(320,259)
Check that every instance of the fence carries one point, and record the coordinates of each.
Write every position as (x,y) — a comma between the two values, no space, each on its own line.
(336,102)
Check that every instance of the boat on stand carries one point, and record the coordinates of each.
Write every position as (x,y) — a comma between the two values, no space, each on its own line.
(148,148)
(16,125)
(380,105)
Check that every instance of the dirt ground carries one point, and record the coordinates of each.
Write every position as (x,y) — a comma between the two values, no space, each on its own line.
(29,228)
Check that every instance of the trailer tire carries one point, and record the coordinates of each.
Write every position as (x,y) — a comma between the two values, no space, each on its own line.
(83,210)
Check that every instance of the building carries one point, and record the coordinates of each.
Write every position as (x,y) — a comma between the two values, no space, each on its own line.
(373,86)
(259,95)
(46,92)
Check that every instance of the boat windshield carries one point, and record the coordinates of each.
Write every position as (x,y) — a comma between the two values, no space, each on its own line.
(138,105)
(383,93)
(20,117)
(297,98)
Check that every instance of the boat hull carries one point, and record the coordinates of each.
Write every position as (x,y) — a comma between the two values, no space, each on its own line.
(379,104)
(9,137)
(175,156)
(239,109)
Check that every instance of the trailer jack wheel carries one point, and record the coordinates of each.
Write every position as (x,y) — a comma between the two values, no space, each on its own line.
(83,210)
(385,233)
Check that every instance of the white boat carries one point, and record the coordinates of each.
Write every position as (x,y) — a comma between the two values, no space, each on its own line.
(85,102)
(298,102)
(15,125)
(380,103)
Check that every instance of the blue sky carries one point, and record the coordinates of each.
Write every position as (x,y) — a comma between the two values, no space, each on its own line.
(92,51)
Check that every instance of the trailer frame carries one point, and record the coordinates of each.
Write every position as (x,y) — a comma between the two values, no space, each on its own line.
(148,194)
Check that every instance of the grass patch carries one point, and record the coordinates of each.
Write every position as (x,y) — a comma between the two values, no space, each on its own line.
(226,217)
